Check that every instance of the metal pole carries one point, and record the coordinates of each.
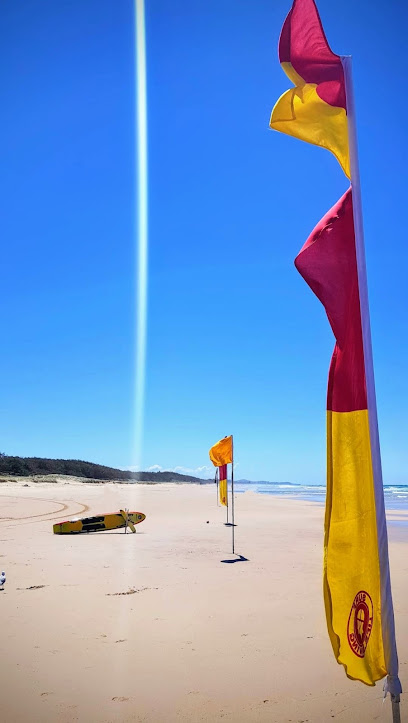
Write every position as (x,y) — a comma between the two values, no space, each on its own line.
(387,612)
(226,484)
(395,704)
(396,718)
(232,497)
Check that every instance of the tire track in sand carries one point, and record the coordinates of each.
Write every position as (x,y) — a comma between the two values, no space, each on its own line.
(63,507)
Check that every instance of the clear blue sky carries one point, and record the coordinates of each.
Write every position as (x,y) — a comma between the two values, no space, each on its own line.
(237,343)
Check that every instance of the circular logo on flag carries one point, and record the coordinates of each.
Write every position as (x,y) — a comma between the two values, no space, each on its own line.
(360,623)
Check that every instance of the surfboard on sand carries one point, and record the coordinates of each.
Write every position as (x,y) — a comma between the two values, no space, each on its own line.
(110,521)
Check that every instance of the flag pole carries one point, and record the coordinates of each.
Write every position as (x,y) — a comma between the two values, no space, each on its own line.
(226,486)
(392,683)
(216,482)
(232,496)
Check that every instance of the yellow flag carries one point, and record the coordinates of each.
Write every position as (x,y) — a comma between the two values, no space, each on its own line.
(221,453)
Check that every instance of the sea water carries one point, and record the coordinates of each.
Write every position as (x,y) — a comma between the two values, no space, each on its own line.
(395,496)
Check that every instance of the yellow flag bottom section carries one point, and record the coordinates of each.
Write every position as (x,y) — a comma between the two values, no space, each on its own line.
(223,492)
(351,561)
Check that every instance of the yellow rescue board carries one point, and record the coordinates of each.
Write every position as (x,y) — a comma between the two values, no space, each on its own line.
(97,523)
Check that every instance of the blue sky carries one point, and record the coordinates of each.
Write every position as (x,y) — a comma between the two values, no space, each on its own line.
(237,343)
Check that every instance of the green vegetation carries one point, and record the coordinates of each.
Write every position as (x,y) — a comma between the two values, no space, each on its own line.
(26,466)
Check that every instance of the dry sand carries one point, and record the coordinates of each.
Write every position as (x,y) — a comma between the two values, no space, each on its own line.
(197,637)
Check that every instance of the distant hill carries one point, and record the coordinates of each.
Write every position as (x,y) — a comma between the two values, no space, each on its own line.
(26,466)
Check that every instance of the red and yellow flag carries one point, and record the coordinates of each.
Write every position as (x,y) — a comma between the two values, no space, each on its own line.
(221,453)
(357,590)
(315,109)
(352,579)
(222,471)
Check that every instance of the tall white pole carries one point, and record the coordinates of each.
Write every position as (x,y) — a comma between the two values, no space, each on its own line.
(392,684)
(232,496)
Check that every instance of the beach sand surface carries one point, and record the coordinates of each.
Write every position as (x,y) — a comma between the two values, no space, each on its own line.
(167,625)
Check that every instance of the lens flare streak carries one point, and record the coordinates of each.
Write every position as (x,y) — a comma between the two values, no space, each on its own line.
(142,229)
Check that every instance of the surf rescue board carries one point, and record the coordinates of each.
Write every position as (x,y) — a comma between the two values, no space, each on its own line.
(98,523)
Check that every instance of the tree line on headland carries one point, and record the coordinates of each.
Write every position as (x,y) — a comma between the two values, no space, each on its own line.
(27,466)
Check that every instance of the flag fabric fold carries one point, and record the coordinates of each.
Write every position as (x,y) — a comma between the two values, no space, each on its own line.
(315,109)
(357,592)
(221,453)
(352,582)
(222,471)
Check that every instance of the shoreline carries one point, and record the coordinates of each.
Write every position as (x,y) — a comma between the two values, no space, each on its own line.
(395,512)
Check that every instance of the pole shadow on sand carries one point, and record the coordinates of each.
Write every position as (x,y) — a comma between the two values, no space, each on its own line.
(238,558)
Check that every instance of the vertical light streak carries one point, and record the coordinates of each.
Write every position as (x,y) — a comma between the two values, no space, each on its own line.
(123,564)
(142,228)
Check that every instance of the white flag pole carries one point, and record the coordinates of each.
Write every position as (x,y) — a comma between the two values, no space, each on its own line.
(226,491)
(392,683)
(232,495)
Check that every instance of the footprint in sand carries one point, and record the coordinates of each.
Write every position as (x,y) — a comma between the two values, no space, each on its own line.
(32,587)
(132,591)
(35,587)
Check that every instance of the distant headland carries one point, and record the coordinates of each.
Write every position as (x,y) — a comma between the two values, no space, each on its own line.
(34,466)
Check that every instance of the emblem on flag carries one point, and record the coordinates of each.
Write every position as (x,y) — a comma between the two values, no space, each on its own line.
(360,623)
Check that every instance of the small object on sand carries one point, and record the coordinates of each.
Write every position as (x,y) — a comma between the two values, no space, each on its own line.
(2,580)
(208,521)
(35,587)
(128,521)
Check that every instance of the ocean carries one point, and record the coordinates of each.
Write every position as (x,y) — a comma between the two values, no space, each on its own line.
(396,496)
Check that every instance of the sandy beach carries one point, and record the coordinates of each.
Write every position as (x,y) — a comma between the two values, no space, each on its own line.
(167,625)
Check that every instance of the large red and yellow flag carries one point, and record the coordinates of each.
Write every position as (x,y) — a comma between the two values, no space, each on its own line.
(357,591)
(315,109)
(222,471)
